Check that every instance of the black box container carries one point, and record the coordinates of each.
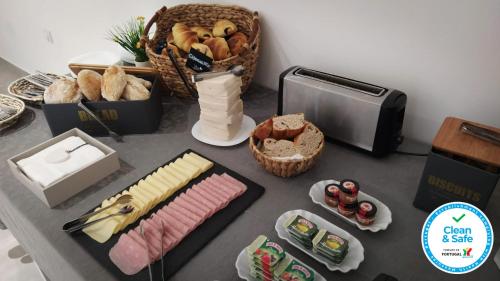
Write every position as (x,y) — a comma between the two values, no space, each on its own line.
(123,117)
(447,180)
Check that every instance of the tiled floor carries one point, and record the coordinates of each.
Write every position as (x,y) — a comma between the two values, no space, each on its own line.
(15,263)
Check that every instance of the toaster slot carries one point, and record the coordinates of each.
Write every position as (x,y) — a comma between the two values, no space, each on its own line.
(343,82)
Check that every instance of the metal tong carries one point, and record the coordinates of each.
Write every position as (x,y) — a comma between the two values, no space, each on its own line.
(482,133)
(150,270)
(112,133)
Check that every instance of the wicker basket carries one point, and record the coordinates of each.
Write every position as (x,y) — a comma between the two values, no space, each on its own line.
(204,15)
(14,103)
(284,168)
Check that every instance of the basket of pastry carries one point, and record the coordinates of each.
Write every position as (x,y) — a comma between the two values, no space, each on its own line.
(227,34)
(102,100)
(286,145)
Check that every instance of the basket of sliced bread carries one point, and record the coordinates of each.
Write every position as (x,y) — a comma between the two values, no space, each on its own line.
(227,34)
(286,145)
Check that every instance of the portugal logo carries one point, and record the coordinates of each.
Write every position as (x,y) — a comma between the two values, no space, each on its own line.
(457,238)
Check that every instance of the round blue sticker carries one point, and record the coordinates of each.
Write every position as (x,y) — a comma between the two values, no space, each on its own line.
(457,238)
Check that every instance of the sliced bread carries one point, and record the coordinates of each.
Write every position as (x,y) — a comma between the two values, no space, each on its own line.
(288,126)
(279,148)
(309,140)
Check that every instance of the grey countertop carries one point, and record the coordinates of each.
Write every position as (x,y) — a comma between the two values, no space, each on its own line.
(393,180)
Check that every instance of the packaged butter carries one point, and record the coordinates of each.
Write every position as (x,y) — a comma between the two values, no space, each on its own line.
(265,253)
(301,229)
(331,246)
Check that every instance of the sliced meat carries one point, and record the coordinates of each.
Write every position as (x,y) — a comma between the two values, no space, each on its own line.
(223,186)
(198,219)
(138,238)
(195,196)
(128,255)
(223,182)
(236,182)
(180,217)
(186,205)
(177,228)
(209,196)
(220,192)
(152,237)
(197,204)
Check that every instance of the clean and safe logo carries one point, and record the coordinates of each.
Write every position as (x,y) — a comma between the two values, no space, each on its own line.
(457,238)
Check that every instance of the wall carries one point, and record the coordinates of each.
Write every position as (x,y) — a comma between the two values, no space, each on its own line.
(443,54)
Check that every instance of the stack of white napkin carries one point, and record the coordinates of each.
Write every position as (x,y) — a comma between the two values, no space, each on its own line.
(42,168)
(221,106)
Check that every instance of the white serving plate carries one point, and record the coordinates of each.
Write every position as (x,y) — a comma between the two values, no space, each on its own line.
(382,219)
(244,270)
(247,126)
(354,257)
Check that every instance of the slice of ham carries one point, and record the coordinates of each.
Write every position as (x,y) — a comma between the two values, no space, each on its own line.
(153,237)
(180,218)
(170,223)
(220,192)
(227,183)
(198,219)
(128,255)
(138,238)
(236,182)
(196,197)
(223,186)
(209,196)
(185,204)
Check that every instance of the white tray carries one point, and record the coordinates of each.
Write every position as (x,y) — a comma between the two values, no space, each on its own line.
(244,270)
(382,219)
(247,126)
(353,258)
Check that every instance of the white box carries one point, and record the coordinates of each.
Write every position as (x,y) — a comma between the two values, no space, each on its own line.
(73,183)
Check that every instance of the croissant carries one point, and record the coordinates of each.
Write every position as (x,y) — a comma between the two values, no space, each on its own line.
(177,53)
(170,38)
(223,28)
(204,49)
(237,42)
(219,48)
(183,36)
(202,33)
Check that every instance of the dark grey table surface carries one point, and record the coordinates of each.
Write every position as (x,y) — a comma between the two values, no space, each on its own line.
(393,179)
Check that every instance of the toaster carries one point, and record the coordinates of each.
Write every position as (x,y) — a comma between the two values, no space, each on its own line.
(361,114)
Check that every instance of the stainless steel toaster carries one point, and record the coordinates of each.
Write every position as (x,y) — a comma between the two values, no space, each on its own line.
(361,114)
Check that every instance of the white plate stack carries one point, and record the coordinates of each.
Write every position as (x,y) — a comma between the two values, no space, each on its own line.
(221,107)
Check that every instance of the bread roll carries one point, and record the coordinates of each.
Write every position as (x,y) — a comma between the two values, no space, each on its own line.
(183,36)
(63,90)
(202,33)
(114,81)
(279,148)
(219,48)
(136,89)
(309,140)
(223,28)
(144,82)
(204,49)
(89,83)
(237,43)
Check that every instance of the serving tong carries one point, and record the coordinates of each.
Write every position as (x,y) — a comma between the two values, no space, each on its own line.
(150,270)
(81,223)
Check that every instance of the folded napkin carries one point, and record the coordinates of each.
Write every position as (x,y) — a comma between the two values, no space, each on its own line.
(41,169)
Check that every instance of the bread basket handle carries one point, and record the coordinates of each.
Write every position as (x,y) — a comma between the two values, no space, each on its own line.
(255,30)
(144,36)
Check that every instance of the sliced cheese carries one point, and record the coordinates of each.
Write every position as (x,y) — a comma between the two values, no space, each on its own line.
(207,164)
(187,166)
(184,179)
(174,182)
(163,188)
(102,230)
(170,186)
(180,171)
(194,162)
(136,192)
(150,191)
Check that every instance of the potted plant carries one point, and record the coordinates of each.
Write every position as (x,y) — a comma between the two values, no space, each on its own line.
(129,37)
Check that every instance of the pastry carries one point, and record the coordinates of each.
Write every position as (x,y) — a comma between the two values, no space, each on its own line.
(170,38)
(177,52)
(114,81)
(219,48)
(309,140)
(288,126)
(144,82)
(89,82)
(136,89)
(63,90)
(237,42)
(202,33)
(184,37)
(204,49)
(223,28)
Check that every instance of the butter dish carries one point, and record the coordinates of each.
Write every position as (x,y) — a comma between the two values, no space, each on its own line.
(58,183)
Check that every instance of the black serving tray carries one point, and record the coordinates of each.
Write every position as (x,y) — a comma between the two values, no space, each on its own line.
(193,243)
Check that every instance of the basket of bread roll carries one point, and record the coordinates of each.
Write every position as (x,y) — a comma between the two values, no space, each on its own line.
(127,101)
(228,34)
(286,145)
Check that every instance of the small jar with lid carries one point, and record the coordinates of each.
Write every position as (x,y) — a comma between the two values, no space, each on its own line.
(366,212)
(347,209)
(332,195)
(348,191)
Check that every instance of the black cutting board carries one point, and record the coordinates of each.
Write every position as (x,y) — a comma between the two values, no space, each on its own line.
(192,243)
